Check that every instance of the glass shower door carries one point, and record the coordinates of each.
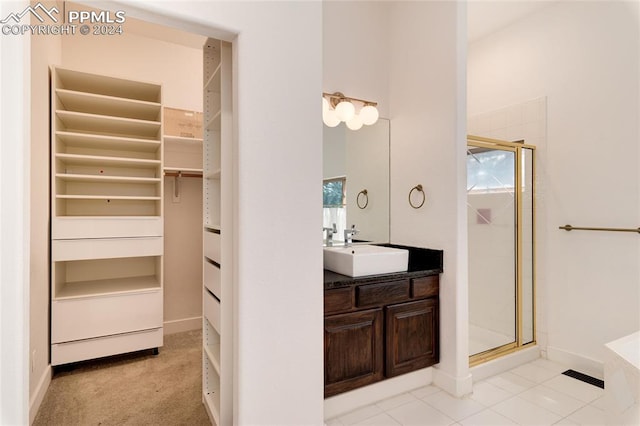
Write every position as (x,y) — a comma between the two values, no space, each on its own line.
(492,235)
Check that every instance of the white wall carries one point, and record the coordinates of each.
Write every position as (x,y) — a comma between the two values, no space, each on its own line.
(428,146)
(178,68)
(45,51)
(14,224)
(355,50)
(584,58)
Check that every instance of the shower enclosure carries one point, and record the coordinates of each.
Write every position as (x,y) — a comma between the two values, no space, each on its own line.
(500,212)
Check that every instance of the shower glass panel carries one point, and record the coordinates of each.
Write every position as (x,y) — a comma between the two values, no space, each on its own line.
(527,172)
(492,215)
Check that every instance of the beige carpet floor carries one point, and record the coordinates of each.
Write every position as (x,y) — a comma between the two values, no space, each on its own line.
(132,389)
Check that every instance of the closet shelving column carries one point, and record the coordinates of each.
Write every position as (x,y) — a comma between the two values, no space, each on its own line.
(217,289)
(106,216)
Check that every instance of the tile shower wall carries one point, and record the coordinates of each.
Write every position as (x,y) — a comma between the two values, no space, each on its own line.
(523,121)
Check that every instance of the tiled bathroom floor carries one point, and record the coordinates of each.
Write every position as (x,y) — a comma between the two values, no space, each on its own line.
(533,394)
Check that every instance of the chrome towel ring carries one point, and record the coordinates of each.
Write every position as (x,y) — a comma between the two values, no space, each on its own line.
(420,190)
(365,196)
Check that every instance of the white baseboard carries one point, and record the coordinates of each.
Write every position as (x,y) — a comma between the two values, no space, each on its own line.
(576,362)
(340,404)
(40,392)
(456,386)
(180,325)
(504,363)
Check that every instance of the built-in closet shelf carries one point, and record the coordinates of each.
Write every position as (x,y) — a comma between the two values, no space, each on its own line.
(68,177)
(213,84)
(211,393)
(105,85)
(181,140)
(107,223)
(214,123)
(80,121)
(213,404)
(80,159)
(93,141)
(108,105)
(215,227)
(213,354)
(214,174)
(107,197)
(108,287)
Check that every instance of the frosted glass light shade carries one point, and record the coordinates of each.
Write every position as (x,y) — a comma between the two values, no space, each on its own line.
(325,105)
(369,114)
(345,110)
(355,123)
(330,118)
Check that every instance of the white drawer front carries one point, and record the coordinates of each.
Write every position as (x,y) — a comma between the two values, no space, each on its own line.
(212,246)
(84,318)
(65,228)
(64,353)
(212,310)
(105,248)
(212,278)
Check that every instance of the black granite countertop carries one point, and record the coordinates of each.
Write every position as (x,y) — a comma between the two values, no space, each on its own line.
(422,262)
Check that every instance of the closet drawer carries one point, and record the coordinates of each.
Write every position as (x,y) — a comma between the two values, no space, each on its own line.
(65,228)
(105,248)
(212,278)
(212,246)
(64,353)
(212,310)
(88,317)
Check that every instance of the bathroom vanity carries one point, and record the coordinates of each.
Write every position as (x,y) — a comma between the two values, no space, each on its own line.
(381,326)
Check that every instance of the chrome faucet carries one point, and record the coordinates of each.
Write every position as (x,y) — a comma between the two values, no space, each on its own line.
(348,235)
(330,232)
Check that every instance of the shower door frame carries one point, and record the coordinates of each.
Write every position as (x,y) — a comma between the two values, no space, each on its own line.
(517,148)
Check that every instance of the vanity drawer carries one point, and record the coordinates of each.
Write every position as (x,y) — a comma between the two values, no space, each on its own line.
(425,287)
(338,300)
(382,293)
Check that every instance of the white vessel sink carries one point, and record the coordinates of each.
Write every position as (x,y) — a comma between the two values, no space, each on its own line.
(362,260)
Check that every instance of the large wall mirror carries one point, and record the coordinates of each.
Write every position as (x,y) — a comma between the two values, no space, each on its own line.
(356,181)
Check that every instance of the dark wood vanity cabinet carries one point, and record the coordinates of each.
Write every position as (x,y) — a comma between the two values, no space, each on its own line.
(379,329)
(353,350)
(411,336)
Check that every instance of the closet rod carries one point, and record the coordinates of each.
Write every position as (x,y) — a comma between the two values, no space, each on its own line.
(183,174)
(571,228)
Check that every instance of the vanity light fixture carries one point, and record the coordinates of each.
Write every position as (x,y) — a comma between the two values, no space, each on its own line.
(337,107)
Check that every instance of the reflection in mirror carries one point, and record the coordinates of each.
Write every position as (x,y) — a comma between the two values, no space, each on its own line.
(357,162)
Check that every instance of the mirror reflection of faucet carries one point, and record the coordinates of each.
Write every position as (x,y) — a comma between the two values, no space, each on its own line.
(330,232)
(348,235)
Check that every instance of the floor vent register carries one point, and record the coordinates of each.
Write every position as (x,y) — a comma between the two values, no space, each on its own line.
(585,378)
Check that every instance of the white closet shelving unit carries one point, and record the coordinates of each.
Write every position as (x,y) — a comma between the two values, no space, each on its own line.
(106,216)
(217,327)
(183,153)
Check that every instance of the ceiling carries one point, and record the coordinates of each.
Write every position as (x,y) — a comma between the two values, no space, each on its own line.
(485,17)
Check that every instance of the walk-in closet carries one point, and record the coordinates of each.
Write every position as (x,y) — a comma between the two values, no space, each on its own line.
(139,171)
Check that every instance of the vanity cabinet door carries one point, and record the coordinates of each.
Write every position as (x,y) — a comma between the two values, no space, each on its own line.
(353,350)
(411,336)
